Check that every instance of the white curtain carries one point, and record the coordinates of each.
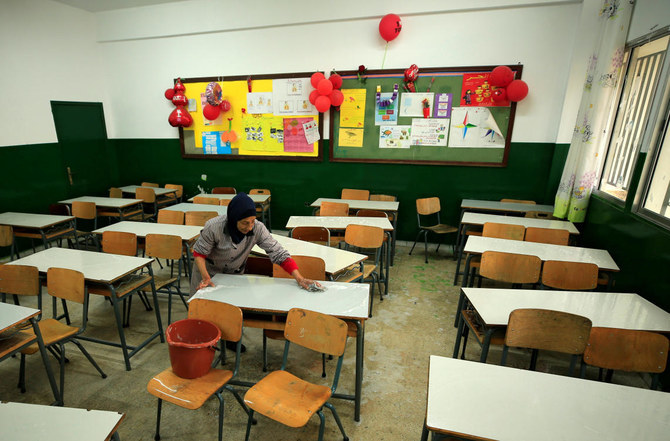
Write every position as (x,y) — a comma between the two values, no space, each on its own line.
(591,132)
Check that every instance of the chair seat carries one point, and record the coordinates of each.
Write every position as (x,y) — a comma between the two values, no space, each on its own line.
(162,281)
(10,344)
(52,331)
(121,287)
(470,317)
(286,398)
(441,229)
(349,275)
(188,393)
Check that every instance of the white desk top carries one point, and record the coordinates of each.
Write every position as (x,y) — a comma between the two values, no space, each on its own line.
(344,300)
(104,202)
(511,207)
(336,259)
(257,198)
(602,258)
(31,220)
(221,209)
(141,229)
(531,406)
(358,205)
(96,267)
(29,422)
(338,222)
(471,218)
(11,315)
(604,309)
(157,191)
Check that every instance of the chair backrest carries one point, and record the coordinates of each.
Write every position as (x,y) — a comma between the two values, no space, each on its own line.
(115,192)
(199,218)
(163,246)
(364,236)
(509,267)
(578,276)
(371,213)
(170,217)
(334,209)
(382,197)
(549,330)
(205,200)
(627,350)
(316,331)
(21,280)
(224,190)
(227,318)
(359,195)
(259,191)
(84,210)
(547,235)
(59,209)
(150,184)
(518,201)
(179,188)
(428,206)
(224,202)
(6,235)
(312,234)
(310,267)
(66,284)
(147,195)
(503,231)
(119,242)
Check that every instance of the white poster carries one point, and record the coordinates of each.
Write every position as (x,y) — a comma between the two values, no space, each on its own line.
(430,131)
(474,127)
(291,97)
(259,102)
(412,104)
(394,137)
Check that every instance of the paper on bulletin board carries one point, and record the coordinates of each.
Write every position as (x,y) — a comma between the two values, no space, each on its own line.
(352,110)
(262,133)
(430,131)
(443,104)
(215,122)
(477,90)
(311,129)
(212,144)
(291,97)
(474,127)
(294,136)
(386,115)
(411,104)
(395,137)
(259,102)
(350,137)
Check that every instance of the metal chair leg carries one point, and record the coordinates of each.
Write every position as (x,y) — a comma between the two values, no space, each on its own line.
(251,416)
(157,436)
(220,397)
(337,420)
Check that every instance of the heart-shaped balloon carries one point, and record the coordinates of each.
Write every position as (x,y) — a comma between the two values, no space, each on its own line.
(411,73)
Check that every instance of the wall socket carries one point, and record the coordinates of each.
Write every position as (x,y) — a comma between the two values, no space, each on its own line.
(203,177)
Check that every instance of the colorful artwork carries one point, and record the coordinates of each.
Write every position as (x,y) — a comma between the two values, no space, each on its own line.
(474,127)
(442,107)
(386,115)
(394,137)
(412,104)
(477,90)
(352,110)
(429,131)
(291,97)
(212,144)
(350,137)
(294,135)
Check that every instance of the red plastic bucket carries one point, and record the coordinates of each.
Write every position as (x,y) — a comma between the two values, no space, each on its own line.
(191,343)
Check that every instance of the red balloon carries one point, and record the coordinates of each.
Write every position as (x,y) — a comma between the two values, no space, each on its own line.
(313,95)
(179,87)
(390,26)
(169,93)
(225,106)
(336,98)
(179,99)
(324,87)
(501,76)
(336,81)
(211,112)
(180,117)
(322,104)
(499,95)
(316,79)
(517,90)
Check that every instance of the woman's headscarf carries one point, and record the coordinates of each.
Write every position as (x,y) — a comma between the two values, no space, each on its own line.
(240,207)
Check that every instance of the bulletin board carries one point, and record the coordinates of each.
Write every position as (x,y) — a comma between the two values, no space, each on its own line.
(451,118)
(270,118)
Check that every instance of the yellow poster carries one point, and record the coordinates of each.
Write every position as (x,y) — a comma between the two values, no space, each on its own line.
(352,110)
(350,137)
(262,133)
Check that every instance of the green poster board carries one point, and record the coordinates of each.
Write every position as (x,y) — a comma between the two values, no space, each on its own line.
(464,126)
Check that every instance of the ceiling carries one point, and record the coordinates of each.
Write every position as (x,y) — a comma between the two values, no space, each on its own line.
(110,5)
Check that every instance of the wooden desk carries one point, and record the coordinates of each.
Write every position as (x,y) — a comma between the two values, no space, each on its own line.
(38,226)
(130,189)
(531,406)
(503,207)
(604,309)
(11,316)
(186,207)
(262,201)
(123,206)
(29,422)
(390,207)
(273,296)
(106,270)
(336,260)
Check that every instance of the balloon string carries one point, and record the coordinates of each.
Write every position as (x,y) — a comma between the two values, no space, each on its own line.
(384,59)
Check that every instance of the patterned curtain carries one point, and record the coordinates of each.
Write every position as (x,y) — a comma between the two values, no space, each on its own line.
(591,132)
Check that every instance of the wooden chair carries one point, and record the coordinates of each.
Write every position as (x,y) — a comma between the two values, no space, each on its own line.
(385,198)
(319,235)
(179,194)
(148,196)
(626,350)
(371,213)
(165,246)
(547,235)
(7,240)
(205,200)
(85,211)
(569,276)
(503,231)
(224,190)
(115,192)
(192,393)
(310,267)
(519,201)
(199,218)
(20,280)
(334,209)
(65,284)
(289,399)
(170,217)
(430,208)
(359,195)
(543,329)
(265,209)
(150,184)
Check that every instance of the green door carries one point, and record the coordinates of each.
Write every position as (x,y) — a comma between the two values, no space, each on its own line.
(82,137)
